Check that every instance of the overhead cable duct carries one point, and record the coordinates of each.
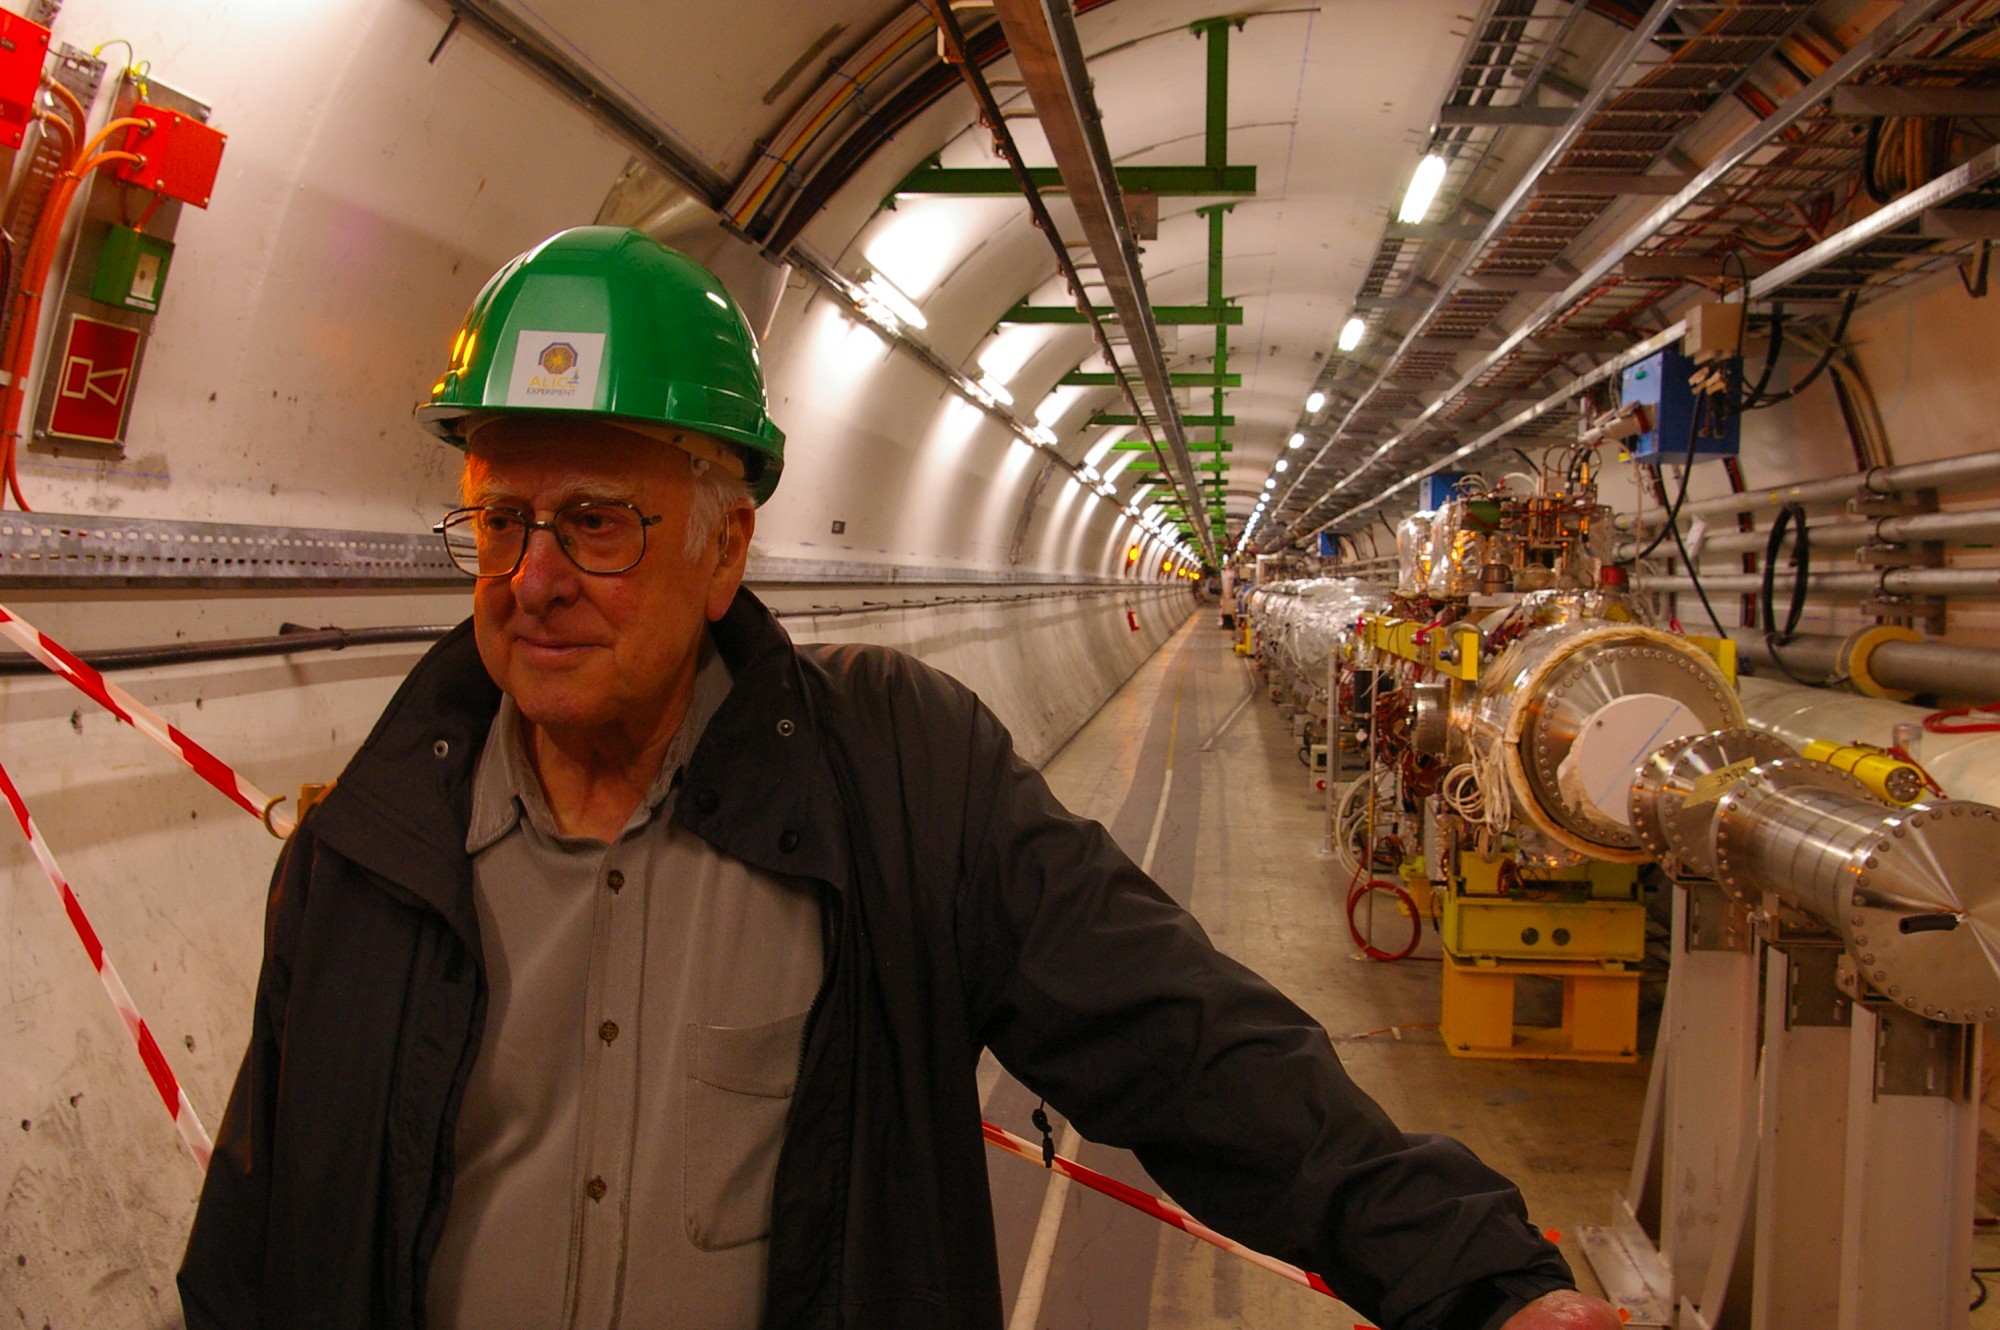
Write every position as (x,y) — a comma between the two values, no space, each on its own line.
(1003,139)
(1050,57)
(1879,42)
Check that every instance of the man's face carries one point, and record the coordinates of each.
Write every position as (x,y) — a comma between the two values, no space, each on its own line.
(606,659)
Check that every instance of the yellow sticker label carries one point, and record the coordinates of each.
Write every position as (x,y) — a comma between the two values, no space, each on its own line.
(1713,785)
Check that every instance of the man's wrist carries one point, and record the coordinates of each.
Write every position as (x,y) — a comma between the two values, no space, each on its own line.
(1487,1303)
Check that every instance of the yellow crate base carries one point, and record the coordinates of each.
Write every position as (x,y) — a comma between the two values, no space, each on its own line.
(1600,1012)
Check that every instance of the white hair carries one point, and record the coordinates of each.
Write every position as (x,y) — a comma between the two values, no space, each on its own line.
(714,495)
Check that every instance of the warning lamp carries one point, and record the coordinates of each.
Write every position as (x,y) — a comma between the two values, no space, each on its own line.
(179,156)
(1132,555)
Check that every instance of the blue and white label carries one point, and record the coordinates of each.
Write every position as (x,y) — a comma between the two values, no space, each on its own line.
(556,369)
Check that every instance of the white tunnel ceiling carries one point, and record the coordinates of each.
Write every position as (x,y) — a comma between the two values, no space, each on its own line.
(1330,103)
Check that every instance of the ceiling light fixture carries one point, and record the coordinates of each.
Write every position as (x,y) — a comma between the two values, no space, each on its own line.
(1423,190)
(891,297)
(1351,333)
(1296,441)
(1314,401)
(995,389)
(1281,466)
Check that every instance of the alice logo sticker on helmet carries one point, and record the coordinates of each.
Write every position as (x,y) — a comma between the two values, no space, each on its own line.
(556,369)
(558,358)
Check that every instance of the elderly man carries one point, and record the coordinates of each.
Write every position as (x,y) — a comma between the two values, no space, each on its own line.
(637,969)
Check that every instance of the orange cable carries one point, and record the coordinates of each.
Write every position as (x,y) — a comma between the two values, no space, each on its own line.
(77,115)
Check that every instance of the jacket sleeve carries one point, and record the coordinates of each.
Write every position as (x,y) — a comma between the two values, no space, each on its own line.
(221,1274)
(1105,997)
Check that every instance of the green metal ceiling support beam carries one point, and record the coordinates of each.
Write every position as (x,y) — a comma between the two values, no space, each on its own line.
(1180,182)
(1141,446)
(1180,379)
(1107,418)
(1162,314)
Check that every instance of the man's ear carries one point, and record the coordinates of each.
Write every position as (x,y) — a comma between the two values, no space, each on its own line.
(733,536)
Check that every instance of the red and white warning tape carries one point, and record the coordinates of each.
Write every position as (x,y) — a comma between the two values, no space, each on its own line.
(171,1094)
(148,722)
(1164,1211)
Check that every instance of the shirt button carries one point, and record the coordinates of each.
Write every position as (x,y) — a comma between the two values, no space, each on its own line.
(614,879)
(608,1031)
(595,1189)
(788,841)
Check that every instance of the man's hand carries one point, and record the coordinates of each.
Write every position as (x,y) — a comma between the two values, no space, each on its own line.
(1565,1310)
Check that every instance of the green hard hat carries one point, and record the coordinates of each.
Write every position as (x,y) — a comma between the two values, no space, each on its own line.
(608,321)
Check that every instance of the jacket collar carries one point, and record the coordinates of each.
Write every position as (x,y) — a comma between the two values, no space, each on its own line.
(758,786)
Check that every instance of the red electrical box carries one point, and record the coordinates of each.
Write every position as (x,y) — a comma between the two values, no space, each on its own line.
(24,49)
(179,155)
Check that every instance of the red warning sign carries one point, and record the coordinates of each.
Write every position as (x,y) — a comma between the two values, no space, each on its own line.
(94,380)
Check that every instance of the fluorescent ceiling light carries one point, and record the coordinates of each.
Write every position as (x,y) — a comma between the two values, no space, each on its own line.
(1351,333)
(1315,400)
(1281,466)
(1423,190)
(1090,473)
(1043,435)
(1296,441)
(995,389)
(1051,408)
(1270,483)
(893,299)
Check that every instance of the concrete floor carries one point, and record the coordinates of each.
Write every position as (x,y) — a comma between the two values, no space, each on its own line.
(1211,793)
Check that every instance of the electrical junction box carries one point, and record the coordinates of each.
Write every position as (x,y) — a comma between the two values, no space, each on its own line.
(24,49)
(132,270)
(1714,331)
(179,156)
(1434,489)
(1674,412)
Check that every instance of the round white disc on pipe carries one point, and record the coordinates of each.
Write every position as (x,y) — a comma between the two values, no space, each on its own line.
(1597,773)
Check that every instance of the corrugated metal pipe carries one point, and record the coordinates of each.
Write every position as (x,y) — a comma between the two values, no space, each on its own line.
(1971,469)
(1933,668)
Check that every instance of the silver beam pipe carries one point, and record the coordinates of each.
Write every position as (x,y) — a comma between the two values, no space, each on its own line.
(1914,667)
(1911,891)
(1975,583)
(1967,469)
(1944,528)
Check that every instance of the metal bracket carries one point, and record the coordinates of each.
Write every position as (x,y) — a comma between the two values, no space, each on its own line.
(1914,554)
(1902,503)
(1926,1059)
(1923,613)
(1714,922)
(1814,992)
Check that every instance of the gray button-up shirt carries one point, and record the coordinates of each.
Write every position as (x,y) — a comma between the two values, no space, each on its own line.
(646,1004)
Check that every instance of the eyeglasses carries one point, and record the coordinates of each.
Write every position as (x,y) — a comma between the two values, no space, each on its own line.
(600,536)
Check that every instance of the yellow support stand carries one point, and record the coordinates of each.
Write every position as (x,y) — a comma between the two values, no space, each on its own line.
(1600,1018)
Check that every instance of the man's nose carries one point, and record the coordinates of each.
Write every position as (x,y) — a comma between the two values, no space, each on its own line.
(546,576)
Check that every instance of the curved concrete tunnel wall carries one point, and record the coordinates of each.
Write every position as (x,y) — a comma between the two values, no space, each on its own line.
(366,193)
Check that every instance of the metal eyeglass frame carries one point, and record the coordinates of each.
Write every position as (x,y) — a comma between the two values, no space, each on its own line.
(530,524)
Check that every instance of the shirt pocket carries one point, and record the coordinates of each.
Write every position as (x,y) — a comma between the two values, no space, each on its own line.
(739,1095)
